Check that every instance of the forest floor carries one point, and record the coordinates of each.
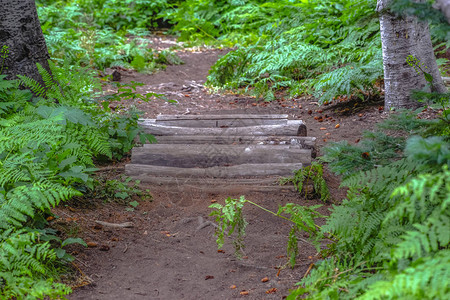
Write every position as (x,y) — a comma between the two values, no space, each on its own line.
(169,253)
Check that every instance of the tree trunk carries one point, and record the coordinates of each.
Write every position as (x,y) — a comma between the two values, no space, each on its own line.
(21,31)
(400,38)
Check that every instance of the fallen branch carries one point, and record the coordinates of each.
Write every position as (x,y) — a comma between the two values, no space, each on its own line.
(116,225)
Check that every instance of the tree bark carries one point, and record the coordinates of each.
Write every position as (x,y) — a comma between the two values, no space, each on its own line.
(400,38)
(21,31)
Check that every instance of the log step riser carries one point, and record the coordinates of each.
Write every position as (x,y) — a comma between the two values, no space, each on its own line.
(204,150)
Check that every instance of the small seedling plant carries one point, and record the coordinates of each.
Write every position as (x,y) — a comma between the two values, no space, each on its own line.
(312,174)
(230,220)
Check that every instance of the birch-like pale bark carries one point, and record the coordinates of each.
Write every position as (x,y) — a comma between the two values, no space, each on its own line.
(444,6)
(21,31)
(400,37)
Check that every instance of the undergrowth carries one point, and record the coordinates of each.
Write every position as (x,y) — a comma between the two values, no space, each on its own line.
(310,176)
(389,237)
(50,136)
(104,33)
(327,48)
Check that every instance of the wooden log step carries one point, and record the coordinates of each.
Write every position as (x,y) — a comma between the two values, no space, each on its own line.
(244,170)
(215,185)
(210,155)
(305,142)
(220,121)
(161,180)
(292,127)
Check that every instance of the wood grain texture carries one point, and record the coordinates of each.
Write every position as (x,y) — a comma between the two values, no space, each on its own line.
(210,155)
(292,127)
(254,170)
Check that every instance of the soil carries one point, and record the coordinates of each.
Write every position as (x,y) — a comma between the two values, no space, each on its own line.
(171,252)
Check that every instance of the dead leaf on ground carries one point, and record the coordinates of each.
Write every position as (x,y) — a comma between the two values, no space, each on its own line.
(104,248)
(265,279)
(233,287)
(322,128)
(221,251)
(213,201)
(337,126)
(244,293)
(207,277)
(91,244)
(271,291)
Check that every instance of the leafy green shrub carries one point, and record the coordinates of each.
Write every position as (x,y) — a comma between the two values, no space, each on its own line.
(395,244)
(228,22)
(49,137)
(327,48)
(101,33)
(115,14)
(390,236)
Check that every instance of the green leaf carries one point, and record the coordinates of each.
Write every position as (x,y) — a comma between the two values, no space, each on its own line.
(428,77)
(70,241)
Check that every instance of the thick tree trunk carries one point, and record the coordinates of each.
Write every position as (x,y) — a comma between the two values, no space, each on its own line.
(400,38)
(21,31)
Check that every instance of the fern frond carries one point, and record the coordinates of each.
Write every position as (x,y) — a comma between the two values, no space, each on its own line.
(33,85)
(427,279)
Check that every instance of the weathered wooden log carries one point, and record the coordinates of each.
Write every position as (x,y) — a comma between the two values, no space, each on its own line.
(220,121)
(193,181)
(244,170)
(210,155)
(214,185)
(305,142)
(292,127)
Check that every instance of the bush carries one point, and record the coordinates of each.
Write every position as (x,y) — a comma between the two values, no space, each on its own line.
(326,48)
(49,139)
(103,33)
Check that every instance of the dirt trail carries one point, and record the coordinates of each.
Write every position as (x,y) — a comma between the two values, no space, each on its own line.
(171,253)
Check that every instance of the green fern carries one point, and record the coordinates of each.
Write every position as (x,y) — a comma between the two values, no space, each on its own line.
(394,221)
(425,279)
(230,219)
(313,173)
(309,50)
(47,148)
(23,267)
